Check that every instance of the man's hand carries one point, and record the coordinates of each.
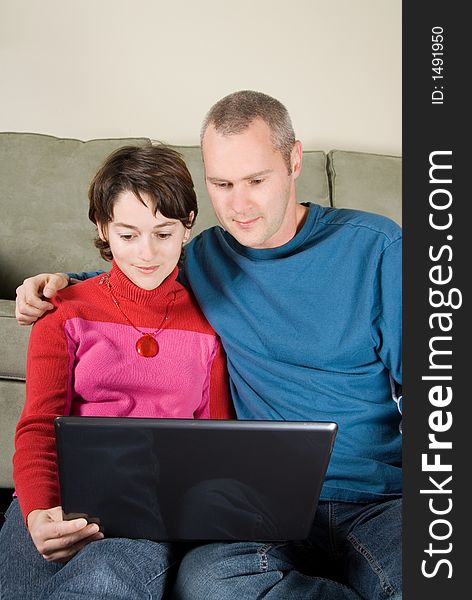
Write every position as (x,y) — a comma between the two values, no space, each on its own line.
(58,540)
(30,303)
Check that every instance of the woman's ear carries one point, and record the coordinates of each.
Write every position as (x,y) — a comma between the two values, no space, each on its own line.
(187,235)
(102,231)
(188,231)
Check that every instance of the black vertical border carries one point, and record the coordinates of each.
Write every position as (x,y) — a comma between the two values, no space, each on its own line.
(428,128)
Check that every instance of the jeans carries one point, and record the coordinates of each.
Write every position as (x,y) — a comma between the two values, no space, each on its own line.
(353,551)
(109,569)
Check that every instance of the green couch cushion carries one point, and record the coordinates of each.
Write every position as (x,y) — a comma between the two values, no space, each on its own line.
(371,182)
(43,193)
(312,184)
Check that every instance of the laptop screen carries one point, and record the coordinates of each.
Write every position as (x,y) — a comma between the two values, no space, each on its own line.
(184,479)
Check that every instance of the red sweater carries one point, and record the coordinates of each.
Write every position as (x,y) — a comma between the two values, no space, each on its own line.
(82,360)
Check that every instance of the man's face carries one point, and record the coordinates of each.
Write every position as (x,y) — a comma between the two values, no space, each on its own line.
(252,193)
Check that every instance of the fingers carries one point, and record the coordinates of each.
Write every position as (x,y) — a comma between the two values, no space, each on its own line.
(27,313)
(64,547)
(55,282)
(62,556)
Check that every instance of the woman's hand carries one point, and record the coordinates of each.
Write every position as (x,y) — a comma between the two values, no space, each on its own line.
(58,540)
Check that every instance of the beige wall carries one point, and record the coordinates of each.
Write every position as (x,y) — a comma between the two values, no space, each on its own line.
(94,68)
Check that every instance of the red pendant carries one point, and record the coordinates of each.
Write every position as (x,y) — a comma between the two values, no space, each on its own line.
(147,346)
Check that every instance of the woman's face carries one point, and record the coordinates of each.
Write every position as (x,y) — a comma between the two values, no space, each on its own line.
(145,247)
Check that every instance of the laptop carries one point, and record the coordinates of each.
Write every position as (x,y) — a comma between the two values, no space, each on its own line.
(193,479)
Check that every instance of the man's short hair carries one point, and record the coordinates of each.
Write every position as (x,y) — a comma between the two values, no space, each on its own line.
(155,170)
(235,112)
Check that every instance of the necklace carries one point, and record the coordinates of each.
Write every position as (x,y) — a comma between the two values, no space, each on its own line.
(146,345)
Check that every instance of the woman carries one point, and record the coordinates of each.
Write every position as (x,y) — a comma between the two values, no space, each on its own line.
(130,343)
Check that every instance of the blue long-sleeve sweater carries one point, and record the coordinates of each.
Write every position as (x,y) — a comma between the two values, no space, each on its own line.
(312,331)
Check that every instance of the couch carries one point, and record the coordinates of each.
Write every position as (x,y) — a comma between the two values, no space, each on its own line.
(44,227)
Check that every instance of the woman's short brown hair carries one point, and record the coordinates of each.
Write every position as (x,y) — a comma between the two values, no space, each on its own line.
(155,170)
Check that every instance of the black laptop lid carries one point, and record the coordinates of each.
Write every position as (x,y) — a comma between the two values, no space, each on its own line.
(179,479)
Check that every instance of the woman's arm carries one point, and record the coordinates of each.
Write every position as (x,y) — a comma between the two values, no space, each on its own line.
(49,373)
(48,394)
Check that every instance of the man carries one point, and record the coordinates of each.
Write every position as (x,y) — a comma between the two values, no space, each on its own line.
(307,302)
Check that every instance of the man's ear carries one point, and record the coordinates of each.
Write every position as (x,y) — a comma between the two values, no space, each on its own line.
(296,158)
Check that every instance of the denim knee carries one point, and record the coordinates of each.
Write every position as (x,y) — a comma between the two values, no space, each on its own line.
(204,568)
(225,571)
(114,569)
